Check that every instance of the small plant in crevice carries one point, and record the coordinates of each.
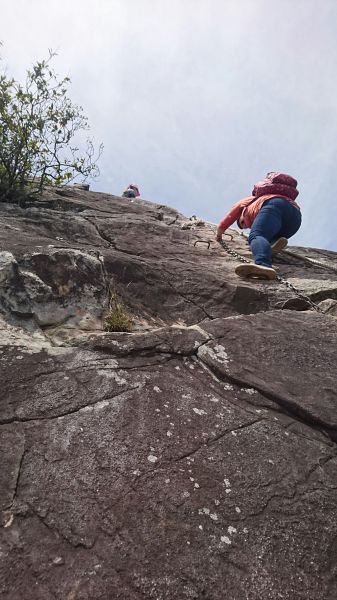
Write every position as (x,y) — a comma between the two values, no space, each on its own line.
(117,318)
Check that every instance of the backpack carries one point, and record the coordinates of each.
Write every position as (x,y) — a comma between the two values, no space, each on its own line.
(276,183)
(129,194)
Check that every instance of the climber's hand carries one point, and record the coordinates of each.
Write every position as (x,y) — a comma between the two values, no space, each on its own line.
(218,235)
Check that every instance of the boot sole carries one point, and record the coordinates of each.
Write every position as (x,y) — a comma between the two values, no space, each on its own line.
(253,271)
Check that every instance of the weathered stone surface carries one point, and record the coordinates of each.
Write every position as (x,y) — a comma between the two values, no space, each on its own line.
(164,274)
(329,306)
(289,356)
(194,458)
(53,286)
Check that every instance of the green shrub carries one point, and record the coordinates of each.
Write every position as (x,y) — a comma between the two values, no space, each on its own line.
(39,132)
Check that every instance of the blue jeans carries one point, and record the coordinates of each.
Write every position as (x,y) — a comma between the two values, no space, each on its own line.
(276,218)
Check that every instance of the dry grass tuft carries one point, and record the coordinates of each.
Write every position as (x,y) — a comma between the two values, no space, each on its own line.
(118,318)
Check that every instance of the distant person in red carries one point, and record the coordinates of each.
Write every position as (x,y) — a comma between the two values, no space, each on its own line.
(131,191)
(273,217)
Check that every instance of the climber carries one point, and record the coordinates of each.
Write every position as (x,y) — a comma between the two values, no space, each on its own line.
(273,217)
(131,191)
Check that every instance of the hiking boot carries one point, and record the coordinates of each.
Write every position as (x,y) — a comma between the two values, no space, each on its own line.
(279,245)
(255,271)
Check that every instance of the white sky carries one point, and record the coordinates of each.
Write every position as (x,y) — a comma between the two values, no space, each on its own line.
(195,100)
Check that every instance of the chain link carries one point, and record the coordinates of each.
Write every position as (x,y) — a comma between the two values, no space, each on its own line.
(233,252)
(299,294)
(278,277)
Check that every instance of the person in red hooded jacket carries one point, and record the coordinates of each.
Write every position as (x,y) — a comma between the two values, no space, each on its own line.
(273,217)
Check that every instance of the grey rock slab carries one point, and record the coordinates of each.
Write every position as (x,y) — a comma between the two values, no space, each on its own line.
(52,383)
(167,340)
(185,291)
(12,336)
(53,286)
(329,306)
(196,459)
(289,356)
(171,490)
(160,271)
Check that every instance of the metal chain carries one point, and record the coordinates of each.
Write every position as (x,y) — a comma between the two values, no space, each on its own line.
(233,252)
(278,277)
(299,294)
(305,259)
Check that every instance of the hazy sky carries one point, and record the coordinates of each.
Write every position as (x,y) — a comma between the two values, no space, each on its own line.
(195,100)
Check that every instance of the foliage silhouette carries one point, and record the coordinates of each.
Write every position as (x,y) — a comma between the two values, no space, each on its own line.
(40,131)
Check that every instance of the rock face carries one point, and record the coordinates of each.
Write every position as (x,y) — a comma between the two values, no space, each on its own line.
(193,458)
